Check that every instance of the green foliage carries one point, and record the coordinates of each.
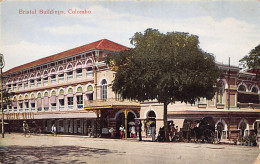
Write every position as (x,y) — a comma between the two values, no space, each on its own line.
(168,67)
(7,97)
(252,60)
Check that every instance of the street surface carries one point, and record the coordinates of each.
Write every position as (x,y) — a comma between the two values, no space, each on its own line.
(15,148)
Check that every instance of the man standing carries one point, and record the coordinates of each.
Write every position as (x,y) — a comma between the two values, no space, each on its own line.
(122,132)
(140,130)
(25,128)
(152,125)
(53,129)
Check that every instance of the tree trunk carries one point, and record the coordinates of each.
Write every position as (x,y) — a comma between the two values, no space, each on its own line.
(165,121)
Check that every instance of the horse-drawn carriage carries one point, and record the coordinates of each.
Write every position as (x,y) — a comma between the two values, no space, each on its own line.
(199,130)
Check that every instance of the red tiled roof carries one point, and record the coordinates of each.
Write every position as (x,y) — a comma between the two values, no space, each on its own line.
(103,44)
(254,70)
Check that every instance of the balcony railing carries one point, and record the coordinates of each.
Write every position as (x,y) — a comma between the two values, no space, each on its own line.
(53,107)
(108,102)
(20,109)
(80,106)
(26,109)
(248,105)
(70,106)
(62,107)
(32,108)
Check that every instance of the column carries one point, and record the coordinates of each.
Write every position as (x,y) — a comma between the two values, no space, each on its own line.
(126,113)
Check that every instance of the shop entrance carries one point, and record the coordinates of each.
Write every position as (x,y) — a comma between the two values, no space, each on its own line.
(120,120)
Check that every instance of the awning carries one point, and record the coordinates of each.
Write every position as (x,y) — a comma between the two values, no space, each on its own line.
(70,95)
(46,102)
(78,93)
(79,66)
(39,102)
(89,92)
(53,99)
(66,115)
(15,104)
(61,97)
(60,72)
(32,100)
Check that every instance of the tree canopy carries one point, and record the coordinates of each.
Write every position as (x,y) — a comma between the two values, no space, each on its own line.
(252,60)
(168,67)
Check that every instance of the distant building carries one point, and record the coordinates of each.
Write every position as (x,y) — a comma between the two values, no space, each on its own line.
(73,91)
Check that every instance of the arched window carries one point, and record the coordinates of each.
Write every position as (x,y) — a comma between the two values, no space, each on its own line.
(26,103)
(46,101)
(69,72)
(14,85)
(32,102)
(20,85)
(89,68)
(20,104)
(61,74)
(53,93)
(45,78)
(242,88)
(32,82)
(53,76)
(9,85)
(70,98)
(79,97)
(254,90)
(70,91)
(220,92)
(61,92)
(89,92)
(53,100)
(61,99)
(15,104)
(39,80)
(25,82)
(39,102)
(104,89)
(79,70)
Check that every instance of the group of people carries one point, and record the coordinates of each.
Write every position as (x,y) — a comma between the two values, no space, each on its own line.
(34,127)
(131,130)
(173,131)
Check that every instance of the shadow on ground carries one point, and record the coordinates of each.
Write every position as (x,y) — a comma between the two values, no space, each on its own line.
(53,154)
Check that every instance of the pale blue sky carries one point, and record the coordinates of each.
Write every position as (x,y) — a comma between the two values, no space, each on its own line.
(225,28)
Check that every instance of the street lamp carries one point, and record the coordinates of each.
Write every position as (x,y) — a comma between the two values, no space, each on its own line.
(2,64)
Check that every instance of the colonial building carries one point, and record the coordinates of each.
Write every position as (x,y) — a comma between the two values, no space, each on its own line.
(73,91)
(68,89)
(235,107)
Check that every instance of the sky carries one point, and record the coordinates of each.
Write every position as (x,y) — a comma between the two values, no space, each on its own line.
(225,28)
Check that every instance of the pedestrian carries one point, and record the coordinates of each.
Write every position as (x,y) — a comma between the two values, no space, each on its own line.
(53,129)
(133,134)
(25,128)
(122,131)
(172,131)
(140,130)
(111,130)
(152,125)
(89,131)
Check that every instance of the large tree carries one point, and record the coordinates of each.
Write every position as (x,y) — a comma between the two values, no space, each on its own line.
(252,60)
(168,67)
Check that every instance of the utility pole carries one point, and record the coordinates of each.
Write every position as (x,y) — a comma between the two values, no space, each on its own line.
(229,99)
(1,85)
